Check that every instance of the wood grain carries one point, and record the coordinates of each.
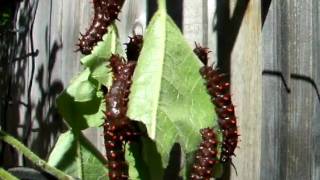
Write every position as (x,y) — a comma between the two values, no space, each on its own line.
(246,66)
(275,95)
(193,22)
(274,68)
(290,134)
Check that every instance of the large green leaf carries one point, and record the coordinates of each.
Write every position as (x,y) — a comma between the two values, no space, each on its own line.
(168,94)
(104,49)
(97,60)
(76,156)
(80,104)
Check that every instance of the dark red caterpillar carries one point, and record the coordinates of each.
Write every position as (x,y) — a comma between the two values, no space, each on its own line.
(206,156)
(134,47)
(219,89)
(105,12)
(118,128)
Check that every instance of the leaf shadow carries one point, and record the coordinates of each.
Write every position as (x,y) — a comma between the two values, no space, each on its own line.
(174,166)
(148,159)
(227,27)
(25,114)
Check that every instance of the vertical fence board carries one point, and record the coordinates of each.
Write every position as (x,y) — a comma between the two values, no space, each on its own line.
(18,81)
(315,117)
(275,92)
(247,88)
(290,135)
(200,25)
(211,35)
(303,98)
(193,21)
(56,29)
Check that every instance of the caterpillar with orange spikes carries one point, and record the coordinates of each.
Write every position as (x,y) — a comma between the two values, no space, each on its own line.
(118,128)
(219,90)
(206,156)
(116,120)
(105,12)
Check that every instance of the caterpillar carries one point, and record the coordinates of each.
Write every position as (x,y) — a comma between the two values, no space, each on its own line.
(117,124)
(134,47)
(219,89)
(105,12)
(118,128)
(206,156)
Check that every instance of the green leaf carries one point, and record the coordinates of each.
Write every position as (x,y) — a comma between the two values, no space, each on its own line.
(168,94)
(81,88)
(80,105)
(103,49)
(76,156)
(97,60)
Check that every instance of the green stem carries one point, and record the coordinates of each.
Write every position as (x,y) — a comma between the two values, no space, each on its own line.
(162,5)
(33,157)
(6,175)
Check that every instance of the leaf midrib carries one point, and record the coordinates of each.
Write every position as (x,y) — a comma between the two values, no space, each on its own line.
(163,16)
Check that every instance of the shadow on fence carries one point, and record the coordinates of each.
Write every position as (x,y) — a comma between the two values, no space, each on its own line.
(295,77)
(19,108)
(227,28)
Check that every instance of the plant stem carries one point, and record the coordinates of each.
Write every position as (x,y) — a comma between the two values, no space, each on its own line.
(33,157)
(162,5)
(6,175)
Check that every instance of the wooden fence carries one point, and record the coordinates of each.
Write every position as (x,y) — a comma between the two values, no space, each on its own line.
(270,48)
